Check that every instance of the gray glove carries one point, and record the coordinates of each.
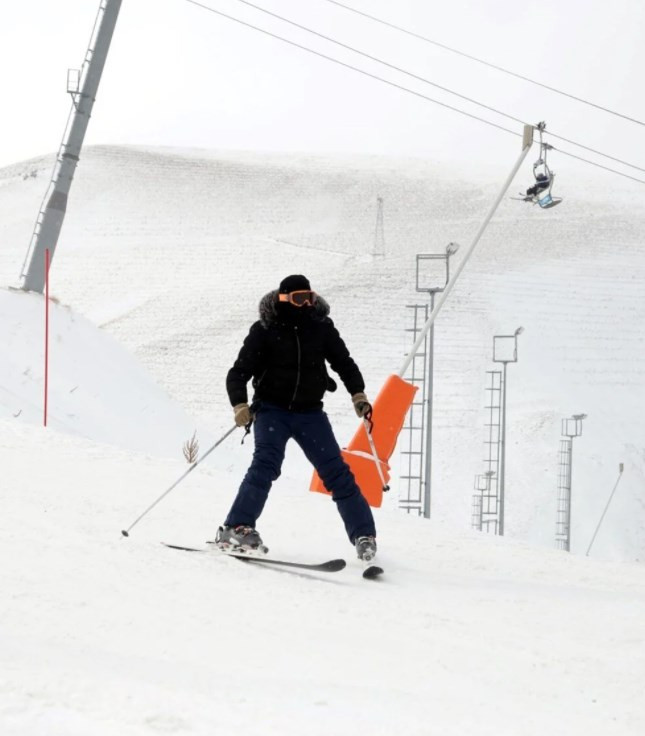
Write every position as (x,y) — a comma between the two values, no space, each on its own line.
(242,414)
(362,406)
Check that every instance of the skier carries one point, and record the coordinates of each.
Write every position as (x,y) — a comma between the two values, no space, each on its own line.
(542,182)
(284,354)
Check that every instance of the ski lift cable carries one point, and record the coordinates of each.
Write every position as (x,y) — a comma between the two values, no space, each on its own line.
(380,61)
(425,80)
(350,66)
(393,84)
(546,147)
(593,150)
(600,166)
(486,63)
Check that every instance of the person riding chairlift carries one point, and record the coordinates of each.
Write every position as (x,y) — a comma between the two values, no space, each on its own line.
(540,192)
(542,182)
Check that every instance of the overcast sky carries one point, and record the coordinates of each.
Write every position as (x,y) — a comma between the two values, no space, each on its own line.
(178,75)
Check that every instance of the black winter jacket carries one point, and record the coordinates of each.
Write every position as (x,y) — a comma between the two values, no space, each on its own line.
(285,353)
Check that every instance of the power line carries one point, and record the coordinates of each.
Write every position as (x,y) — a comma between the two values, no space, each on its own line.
(394,84)
(425,80)
(486,63)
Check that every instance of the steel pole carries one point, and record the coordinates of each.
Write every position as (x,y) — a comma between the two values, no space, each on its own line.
(46,399)
(569,479)
(527,142)
(52,213)
(502,461)
(429,408)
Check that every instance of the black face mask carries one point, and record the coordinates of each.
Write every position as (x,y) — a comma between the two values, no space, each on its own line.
(293,315)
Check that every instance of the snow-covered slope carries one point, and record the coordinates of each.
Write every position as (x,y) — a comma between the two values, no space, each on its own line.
(169,251)
(97,389)
(467,634)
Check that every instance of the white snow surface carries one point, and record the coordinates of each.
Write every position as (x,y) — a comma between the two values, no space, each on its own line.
(467,634)
(97,388)
(163,258)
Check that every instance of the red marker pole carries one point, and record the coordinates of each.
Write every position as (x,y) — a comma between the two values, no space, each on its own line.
(46,334)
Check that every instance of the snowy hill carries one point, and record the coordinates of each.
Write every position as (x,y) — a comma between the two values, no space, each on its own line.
(169,252)
(162,261)
(104,635)
(97,389)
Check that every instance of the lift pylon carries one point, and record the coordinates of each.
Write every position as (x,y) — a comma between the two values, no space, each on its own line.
(83,91)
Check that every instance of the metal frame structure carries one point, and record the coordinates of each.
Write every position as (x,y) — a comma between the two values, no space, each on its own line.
(379,230)
(414,427)
(419,475)
(500,345)
(483,518)
(571,428)
(527,142)
(477,511)
(431,289)
(419,424)
(486,485)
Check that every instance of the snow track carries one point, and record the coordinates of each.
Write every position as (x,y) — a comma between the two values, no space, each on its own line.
(107,635)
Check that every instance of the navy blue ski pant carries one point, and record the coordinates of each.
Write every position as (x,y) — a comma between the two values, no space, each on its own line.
(273,427)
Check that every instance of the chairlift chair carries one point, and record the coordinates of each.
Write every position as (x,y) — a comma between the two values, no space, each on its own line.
(540,192)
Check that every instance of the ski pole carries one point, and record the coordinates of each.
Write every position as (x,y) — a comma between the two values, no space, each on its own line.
(369,424)
(126,532)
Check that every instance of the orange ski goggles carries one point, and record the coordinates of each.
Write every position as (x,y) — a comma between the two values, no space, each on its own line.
(299,298)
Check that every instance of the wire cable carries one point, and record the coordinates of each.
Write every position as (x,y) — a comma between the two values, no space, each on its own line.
(486,63)
(600,166)
(593,150)
(349,66)
(433,84)
(378,61)
(394,84)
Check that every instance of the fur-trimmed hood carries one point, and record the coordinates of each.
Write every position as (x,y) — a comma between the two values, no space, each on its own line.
(269,313)
(286,353)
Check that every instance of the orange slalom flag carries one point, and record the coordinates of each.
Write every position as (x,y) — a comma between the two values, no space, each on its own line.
(388,414)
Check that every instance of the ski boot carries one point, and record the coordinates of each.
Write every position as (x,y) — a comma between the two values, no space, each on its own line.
(240,538)
(366,548)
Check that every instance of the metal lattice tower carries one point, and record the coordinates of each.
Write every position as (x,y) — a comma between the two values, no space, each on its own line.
(571,428)
(413,439)
(486,500)
(476,516)
(82,85)
(563,509)
(379,231)
(432,278)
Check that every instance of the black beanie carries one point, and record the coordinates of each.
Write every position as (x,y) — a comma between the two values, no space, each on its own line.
(296,282)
